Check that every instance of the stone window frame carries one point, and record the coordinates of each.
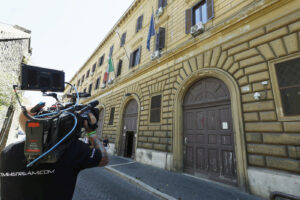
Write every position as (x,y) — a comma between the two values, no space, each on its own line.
(275,88)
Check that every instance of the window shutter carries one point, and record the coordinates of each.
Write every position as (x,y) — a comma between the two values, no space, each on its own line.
(111,117)
(139,55)
(160,3)
(164,3)
(155,109)
(162,32)
(119,68)
(123,39)
(111,50)
(131,60)
(188,20)
(210,9)
(157,41)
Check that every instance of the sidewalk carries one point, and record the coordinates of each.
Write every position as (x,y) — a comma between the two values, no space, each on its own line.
(172,185)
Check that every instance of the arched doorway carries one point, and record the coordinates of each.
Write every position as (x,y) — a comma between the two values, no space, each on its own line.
(208,136)
(128,138)
(100,123)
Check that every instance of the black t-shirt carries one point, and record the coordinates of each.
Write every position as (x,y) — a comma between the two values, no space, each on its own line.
(55,181)
(105,142)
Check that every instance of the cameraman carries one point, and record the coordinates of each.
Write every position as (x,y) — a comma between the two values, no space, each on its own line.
(43,181)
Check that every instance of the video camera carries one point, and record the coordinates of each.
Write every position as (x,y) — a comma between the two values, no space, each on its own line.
(50,131)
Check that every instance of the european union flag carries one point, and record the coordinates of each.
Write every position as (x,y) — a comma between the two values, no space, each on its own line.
(151,32)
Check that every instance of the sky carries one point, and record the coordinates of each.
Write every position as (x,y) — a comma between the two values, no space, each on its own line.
(64,33)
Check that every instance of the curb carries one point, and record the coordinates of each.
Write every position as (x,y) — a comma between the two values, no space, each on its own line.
(140,184)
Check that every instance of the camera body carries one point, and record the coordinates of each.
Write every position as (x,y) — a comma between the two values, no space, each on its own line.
(50,132)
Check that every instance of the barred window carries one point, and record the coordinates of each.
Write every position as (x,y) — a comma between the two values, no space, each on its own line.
(101,60)
(90,88)
(123,38)
(288,80)
(97,83)
(94,67)
(111,117)
(155,108)
(87,73)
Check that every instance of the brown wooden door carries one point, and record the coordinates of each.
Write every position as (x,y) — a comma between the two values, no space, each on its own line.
(208,133)
(129,129)
(100,123)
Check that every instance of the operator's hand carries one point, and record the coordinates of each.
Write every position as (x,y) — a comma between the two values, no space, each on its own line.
(93,120)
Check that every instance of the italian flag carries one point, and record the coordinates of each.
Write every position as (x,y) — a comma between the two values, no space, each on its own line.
(110,68)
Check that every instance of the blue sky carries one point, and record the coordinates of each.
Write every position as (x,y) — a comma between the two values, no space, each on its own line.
(64,32)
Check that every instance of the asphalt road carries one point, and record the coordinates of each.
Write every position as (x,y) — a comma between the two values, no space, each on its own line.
(98,183)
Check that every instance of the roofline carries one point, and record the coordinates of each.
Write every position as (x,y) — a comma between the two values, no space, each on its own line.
(108,35)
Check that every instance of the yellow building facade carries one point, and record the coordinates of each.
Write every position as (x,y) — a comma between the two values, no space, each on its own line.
(216,95)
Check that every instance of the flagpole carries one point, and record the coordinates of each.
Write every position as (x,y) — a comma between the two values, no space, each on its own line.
(123,44)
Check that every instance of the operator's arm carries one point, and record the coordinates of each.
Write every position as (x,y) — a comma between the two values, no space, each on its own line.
(96,143)
(23,119)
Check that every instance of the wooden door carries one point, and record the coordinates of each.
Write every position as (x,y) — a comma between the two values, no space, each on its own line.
(129,126)
(208,132)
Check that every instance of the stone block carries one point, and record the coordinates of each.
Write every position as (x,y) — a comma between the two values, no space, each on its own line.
(294,152)
(268,116)
(239,73)
(147,133)
(250,117)
(233,68)
(269,37)
(283,164)
(292,127)
(291,43)
(254,34)
(256,68)
(259,87)
(154,128)
(222,60)
(164,140)
(273,138)
(294,27)
(263,127)
(142,139)
(160,147)
(207,58)
(147,145)
(243,81)
(251,61)
(200,61)
(143,128)
(246,89)
(278,48)
(272,150)
(260,76)
(245,54)
(215,56)
(248,98)
(187,69)
(153,139)
(283,21)
(258,106)
(237,49)
(193,64)
(228,63)
(266,51)
(253,137)
(256,160)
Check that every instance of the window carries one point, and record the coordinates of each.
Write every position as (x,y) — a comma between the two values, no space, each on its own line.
(139,23)
(119,68)
(160,39)
(201,12)
(111,50)
(123,38)
(97,83)
(155,109)
(135,57)
(94,67)
(90,88)
(87,73)
(84,91)
(78,83)
(162,3)
(101,60)
(288,81)
(111,117)
(82,78)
